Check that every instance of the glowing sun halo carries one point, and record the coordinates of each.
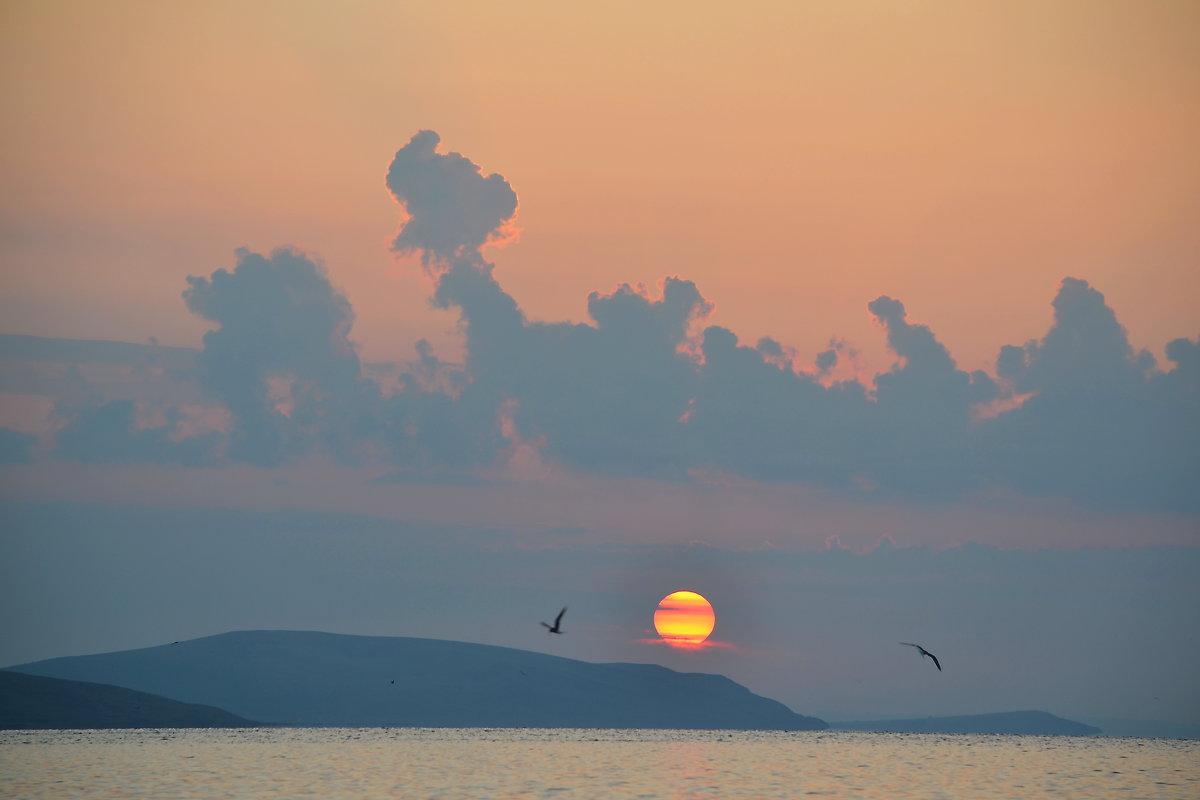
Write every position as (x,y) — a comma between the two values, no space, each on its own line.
(684,619)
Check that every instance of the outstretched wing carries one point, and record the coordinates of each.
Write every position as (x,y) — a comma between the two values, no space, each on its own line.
(925,652)
(544,625)
(558,619)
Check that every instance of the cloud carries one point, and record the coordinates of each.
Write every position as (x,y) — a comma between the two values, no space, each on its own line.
(922,412)
(926,383)
(603,397)
(114,431)
(1085,350)
(453,210)
(1102,424)
(621,395)
(281,359)
(827,360)
(606,397)
(761,420)
(641,389)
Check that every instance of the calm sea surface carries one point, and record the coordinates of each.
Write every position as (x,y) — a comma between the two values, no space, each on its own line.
(336,763)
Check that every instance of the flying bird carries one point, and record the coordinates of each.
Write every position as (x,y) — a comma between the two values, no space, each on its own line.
(556,628)
(925,652)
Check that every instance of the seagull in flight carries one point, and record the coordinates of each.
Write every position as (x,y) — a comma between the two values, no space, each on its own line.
(557,627)
(925,652)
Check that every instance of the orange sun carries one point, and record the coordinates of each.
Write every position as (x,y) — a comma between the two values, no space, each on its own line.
(684,619)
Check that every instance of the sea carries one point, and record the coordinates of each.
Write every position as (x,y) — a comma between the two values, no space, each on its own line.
(448,763)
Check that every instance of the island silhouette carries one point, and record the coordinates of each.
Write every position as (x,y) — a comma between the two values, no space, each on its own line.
(306,678)
(311,678)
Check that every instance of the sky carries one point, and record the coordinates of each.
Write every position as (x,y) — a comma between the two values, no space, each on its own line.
(359,316)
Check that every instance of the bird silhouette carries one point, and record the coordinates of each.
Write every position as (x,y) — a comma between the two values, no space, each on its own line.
(557,627)
(925,652)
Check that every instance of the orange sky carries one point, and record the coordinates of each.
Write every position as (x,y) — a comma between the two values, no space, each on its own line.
(795,160)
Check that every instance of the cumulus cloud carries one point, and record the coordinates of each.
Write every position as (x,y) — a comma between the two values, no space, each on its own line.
(768,421)
(281,359)
(926,382)
(604,396)
(453,210)
(922,412)
(428,428)
(621,395)
(640,389)
(1101,424)
(1086,349)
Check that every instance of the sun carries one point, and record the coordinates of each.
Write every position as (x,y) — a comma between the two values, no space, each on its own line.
(684,619)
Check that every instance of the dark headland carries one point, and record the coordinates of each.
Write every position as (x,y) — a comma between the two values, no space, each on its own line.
(33,702)
(308,678)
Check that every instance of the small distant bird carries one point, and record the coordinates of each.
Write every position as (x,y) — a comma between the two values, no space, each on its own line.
(393,681)
(925,652)
(557,627)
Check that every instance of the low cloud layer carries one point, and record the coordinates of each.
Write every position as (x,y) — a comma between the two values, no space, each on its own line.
(644,389)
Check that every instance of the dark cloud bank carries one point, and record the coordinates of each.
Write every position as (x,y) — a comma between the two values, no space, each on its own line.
(644,390)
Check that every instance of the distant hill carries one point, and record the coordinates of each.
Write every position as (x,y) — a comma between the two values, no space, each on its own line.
(1036,723)
(307,678)
(33,702)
